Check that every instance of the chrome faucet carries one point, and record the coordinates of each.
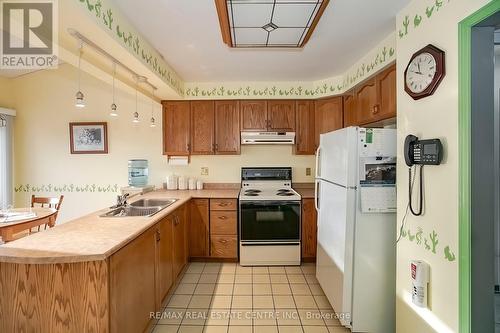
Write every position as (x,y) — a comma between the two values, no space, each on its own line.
(121,200)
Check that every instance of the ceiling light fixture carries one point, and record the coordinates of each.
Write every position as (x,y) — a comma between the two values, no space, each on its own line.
(80,103)
(136,113)
(153,121)
(113,112)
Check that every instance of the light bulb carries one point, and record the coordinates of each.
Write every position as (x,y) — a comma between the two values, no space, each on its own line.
(80,103)
(113,112)
(136,117)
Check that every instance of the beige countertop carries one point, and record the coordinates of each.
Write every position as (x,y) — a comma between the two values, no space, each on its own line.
(91,237)
(305,193)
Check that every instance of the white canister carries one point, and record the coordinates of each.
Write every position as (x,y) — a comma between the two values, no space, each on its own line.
(199,185)
(182,183)
(172,182)
(192,183)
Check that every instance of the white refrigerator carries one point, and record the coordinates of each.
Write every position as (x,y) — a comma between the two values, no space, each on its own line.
(356,204)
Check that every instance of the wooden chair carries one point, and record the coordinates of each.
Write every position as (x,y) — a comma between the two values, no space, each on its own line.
(48,203)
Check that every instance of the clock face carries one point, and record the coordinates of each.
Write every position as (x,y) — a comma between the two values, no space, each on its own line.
(421,72)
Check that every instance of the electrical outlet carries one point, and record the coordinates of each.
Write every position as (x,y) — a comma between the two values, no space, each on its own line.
(308,171)
(204,171)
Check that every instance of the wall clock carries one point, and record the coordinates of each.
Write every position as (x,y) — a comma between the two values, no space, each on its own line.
(424,72)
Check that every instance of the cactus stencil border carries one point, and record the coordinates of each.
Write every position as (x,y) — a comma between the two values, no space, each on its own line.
(418,18)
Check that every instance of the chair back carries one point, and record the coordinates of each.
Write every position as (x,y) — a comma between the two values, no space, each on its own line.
(47,202)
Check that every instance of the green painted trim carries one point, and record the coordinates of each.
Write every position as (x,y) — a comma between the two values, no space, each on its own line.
(464,232)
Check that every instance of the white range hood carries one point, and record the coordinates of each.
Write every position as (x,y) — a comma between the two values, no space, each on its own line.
(267,138)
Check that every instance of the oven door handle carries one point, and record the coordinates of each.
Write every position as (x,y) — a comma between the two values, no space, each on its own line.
(245,204)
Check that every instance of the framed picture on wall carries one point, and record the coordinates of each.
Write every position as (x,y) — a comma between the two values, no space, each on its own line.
(88,138)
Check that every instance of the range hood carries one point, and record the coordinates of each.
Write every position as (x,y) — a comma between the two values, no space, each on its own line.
(267,138)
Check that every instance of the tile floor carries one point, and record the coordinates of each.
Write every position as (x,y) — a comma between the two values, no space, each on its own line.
(229,298)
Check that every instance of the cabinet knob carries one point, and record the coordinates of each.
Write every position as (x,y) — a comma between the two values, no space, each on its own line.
(376,109)
(223,204)
(223,217)
(158,235)
(223,241)
(188,147)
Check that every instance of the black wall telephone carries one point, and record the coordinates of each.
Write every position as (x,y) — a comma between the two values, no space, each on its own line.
(420,152)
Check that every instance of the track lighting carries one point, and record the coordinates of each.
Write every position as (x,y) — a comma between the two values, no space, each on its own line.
(152,121)
(136,113)
(80,103)
(113,112)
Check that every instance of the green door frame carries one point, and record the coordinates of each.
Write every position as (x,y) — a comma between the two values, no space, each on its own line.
(464,233)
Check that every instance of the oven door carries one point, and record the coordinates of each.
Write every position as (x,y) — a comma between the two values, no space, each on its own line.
(270,221)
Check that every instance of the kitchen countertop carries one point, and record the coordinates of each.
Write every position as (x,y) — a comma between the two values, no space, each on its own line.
(92,238)
(305,193)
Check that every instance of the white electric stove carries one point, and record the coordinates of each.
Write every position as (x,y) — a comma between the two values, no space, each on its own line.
(270,218)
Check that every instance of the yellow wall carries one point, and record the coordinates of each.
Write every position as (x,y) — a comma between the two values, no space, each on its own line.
(44,104)
(433,117)
(6,99)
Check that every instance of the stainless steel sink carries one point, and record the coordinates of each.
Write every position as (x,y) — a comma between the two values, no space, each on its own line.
(153,202)
(143,207)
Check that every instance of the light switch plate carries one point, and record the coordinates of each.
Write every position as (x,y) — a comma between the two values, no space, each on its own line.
(204,171)
(308,171)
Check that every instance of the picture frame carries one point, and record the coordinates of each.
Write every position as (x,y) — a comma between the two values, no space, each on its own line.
(88,137)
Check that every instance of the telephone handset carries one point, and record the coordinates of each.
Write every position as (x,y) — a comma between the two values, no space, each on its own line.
(422,152)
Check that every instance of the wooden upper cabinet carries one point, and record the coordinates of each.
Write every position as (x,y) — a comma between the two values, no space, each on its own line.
(366,101)
(227,127)
(176,128)
(328,115)
(253,116)
(386,84)
(350,109)
(305,132)
(202,127)
(281,116)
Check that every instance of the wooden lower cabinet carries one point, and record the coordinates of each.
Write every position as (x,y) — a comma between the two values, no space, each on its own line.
(132,284)
(309,230)
(180,249)
(224,246)
(199,224)
(165,260)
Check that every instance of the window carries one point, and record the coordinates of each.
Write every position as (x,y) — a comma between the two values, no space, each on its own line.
(5,160)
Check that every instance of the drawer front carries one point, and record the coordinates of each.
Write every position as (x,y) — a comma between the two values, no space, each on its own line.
(223,246)
(223,222)
(223,204)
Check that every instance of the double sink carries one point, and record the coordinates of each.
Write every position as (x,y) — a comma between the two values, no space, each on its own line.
(142,207)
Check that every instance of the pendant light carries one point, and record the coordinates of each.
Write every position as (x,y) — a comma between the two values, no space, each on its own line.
(80,103)
(113,112)
(152,122)
(136,113)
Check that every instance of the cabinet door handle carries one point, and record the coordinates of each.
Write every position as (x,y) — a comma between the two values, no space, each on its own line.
(188,147)
(223,204)
(158,235)
(223,217)
(223,241)
(376,109)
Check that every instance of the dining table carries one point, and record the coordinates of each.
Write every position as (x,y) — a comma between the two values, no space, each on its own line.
(43,216)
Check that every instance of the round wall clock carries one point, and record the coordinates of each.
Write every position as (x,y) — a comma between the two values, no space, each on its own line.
(424,72)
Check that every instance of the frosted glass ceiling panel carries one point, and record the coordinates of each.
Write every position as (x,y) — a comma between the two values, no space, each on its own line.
(250,36)
(271,23)
(251,15)
(289,36)
(296,15)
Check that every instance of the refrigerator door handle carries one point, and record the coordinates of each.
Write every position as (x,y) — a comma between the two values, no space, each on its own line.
(316,195)
(318,166)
